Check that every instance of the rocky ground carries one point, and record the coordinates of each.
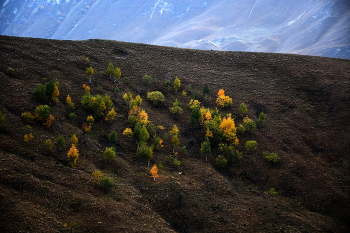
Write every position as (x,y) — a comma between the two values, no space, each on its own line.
(306,100)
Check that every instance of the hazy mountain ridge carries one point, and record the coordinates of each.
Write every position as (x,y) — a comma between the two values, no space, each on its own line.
(315,27)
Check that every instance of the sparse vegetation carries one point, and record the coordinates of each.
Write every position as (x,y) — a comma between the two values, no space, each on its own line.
(204,164)
(271,157)
(251,145)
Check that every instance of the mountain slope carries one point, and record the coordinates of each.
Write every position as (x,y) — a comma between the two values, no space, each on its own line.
(305,98)
(300,27)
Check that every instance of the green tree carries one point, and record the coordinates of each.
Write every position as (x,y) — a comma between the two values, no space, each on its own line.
(109,154)
(42,112)
(144,135)
(206,89)
(243,109)
(262,118)
(110,70)
(113,137)
(195,117)
(137,130)
(206,149)
(49,144)
(61,142)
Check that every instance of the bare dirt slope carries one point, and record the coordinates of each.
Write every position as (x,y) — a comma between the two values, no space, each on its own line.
(306,100)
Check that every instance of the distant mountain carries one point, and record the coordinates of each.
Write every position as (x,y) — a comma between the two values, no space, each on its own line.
(309,27)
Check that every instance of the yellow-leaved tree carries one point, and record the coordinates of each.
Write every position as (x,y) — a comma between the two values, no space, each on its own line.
(73,155)
(177,84)
(69,101)
(110,115)
(228,128)
(55,94)
(74,139)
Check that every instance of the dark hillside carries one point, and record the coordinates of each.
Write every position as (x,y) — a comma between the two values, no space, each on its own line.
(306,100)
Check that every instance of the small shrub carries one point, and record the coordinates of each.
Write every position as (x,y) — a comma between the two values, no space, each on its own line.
(272,192)
(72,116)
(147,79)
(27,117)
(2,119)
(109,154)
(106,183)
(49,144)
(184,93)
(271,157)
(10,70)
(251,145)
(177,162)
(240,128)
(125,80)
(156,97)
(117,89)
(221,161)
(61,142)
(28,137)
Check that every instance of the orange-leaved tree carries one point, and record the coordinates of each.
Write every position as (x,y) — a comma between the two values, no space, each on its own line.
(73,155)
(154,172)
(223,100)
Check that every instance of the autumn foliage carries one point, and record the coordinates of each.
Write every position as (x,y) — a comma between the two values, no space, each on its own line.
(222,99)
(73,155)
(154,171)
